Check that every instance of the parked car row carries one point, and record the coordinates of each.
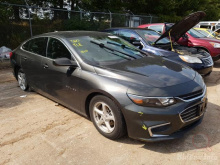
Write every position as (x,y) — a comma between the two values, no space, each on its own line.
(135,87)
(184,34)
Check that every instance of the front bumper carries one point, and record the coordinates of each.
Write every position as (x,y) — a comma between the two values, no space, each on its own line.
(158,124)
(205,68)
(205,71)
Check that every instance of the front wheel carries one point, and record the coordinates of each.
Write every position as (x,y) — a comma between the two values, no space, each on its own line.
(22,81)
(107,117)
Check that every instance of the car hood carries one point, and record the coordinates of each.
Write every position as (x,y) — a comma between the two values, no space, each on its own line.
(159,51)
(210,39)
(181,27)
(151,71)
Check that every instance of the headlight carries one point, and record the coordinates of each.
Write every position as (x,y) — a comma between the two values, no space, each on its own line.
(152,101)
(215,45)
(190,59)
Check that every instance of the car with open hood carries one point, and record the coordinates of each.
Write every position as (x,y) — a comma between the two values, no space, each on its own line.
(119,87)
(197,59)
(182,33)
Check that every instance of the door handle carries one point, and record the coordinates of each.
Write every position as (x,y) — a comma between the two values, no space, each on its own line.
(45,66)
(25,58)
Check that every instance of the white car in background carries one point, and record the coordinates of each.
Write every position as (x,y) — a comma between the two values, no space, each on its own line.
(4,53)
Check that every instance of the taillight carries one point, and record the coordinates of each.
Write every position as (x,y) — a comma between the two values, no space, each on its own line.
(10,54)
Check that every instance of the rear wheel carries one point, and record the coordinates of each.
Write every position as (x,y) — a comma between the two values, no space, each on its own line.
(107,117)
(22,81)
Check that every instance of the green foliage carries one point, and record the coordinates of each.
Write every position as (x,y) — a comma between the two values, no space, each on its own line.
(13,30)
(77,24)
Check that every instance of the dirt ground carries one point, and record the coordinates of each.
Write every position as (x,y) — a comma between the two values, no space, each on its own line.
(34,130)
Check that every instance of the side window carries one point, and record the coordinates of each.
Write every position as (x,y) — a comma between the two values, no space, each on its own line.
(115,32)
(26,46)
(38,46)
(158,28)
(56,49)
(129,36)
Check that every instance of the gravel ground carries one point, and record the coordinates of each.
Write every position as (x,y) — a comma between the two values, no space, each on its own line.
(34,130)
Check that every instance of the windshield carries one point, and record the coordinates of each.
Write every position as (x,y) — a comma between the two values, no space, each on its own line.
(205,33)
(104,49)
(216,33)
(196,34)
(151,36)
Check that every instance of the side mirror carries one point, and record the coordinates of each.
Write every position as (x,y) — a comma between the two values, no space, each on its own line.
(64,62)
(137,43)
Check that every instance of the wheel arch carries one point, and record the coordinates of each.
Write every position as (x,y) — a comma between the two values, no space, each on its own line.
(16,68)
(201,47)
(95,93)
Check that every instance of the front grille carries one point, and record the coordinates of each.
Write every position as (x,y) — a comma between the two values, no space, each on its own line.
(190,113)
(208,61)
(191,95)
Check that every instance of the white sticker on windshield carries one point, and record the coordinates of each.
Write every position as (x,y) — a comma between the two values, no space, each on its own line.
(112,36)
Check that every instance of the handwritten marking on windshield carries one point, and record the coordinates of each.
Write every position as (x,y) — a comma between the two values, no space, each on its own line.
(76,43)
(83,51)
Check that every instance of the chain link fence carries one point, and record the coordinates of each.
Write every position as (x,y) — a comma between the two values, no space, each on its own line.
(20,22)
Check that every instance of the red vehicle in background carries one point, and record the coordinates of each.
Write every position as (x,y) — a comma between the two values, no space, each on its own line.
(182,33)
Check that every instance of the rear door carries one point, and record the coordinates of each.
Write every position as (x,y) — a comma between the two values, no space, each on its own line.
(31,60)
(61,83)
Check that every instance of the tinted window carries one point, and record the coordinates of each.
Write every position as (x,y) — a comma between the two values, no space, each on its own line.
(158,28)
(26,46)
(38,46)
(115,32)
(56,49)
(129,36)
(151,36)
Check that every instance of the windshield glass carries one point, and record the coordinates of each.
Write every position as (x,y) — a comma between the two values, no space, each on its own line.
(216,33)
(196,34)
(151,36)
(104,49)
(205,33)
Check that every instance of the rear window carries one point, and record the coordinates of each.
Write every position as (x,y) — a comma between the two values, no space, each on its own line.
(36,45)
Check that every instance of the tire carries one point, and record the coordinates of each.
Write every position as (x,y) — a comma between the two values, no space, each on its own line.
(107,117)
(22,81)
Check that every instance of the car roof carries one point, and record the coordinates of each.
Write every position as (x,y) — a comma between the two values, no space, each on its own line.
(70,34)
(129,28)
(150,24)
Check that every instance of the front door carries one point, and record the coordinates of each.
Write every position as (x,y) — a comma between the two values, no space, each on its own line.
(61,83)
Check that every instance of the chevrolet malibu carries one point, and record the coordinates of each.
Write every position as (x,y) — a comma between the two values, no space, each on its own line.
(119,87)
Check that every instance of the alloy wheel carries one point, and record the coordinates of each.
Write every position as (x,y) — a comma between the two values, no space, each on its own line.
(104,117)
(22,80)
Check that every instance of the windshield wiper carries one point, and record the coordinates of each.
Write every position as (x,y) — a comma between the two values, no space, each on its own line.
(113,50)
(167,43)
(124,46)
